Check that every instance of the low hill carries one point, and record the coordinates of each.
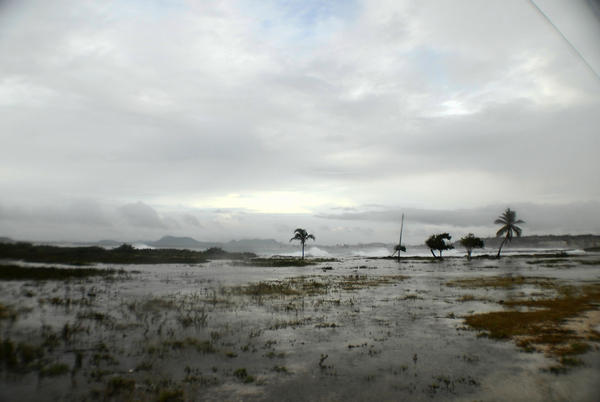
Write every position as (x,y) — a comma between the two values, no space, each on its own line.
(181,242)
(548,241)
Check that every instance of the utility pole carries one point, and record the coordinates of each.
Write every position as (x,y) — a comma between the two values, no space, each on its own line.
(400,241)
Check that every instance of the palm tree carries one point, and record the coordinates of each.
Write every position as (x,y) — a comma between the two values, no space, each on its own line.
(303,236)
(509,223)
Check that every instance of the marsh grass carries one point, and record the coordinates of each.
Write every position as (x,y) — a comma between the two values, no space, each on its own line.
(202,346)
(54,370)
(7,312)
(548,261)
(291,323)
(243,375)
(20,357)
(124,254)
(589,262)
(152,305)
(541,327)
(266,288)
(285,261)
(280,369)
(65,301)
(355,282)
(94,315)
(18,273)
(313,285)
(119,385)
(171,395)
(506,282)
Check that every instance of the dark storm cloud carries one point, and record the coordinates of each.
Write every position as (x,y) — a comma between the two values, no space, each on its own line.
(576,218)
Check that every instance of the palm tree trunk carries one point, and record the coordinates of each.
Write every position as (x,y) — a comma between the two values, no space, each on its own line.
(501,245)
(434,256)
(302,250)
(469,254)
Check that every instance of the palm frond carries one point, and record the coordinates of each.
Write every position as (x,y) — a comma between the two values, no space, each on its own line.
(502,230)
(302,235)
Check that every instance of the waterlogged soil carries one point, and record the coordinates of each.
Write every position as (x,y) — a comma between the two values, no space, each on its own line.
(351,329)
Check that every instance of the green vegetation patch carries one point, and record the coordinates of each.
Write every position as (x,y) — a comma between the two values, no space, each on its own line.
(125,254)
(17,273)
(54,370)
(171,395)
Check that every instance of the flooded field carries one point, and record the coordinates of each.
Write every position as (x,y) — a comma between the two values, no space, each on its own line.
(349,329)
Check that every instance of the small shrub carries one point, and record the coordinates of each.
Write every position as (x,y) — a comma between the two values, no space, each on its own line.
(243,375)
(170,395)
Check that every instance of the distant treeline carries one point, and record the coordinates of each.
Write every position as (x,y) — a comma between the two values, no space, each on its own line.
(125,254)
(543,241)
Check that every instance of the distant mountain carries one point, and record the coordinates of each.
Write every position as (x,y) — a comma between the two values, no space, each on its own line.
(244,245)
(271,246)
(257,246)
(547,241)
(109,243)
(181,242)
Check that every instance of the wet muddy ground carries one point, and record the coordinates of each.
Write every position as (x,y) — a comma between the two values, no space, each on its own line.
(352,329)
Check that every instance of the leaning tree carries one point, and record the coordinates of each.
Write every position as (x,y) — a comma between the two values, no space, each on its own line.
(439,242)
(509,228)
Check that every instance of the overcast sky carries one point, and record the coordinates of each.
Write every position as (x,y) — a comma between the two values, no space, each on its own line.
(231,119)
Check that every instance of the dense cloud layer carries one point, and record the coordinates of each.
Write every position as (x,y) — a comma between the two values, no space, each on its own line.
(157,114)
(90,221)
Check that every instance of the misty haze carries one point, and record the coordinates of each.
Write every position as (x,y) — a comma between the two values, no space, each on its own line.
(300,200)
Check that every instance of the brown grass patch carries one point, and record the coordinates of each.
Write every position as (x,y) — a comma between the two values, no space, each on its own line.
(314,285)
(354,282)
(506,282)
(546,327)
